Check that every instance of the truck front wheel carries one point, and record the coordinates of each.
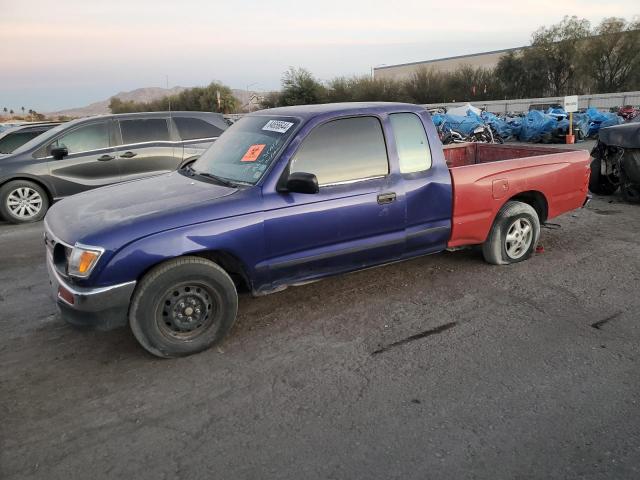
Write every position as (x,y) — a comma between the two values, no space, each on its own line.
(514,234)
(183,306)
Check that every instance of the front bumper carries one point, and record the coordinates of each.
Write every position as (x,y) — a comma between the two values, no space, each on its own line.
(103,308)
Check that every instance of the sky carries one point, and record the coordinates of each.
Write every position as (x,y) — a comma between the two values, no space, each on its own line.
(68,53)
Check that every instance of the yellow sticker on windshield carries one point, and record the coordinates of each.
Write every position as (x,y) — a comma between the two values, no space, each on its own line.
(253,153)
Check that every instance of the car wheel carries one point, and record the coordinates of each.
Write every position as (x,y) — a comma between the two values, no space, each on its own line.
(597,183)
(22,201)
(183,306)
(514,234)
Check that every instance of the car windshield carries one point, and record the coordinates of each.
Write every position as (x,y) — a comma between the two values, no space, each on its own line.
(41,139)
(244,152)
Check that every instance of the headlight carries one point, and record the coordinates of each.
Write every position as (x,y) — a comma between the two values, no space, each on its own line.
(83,259)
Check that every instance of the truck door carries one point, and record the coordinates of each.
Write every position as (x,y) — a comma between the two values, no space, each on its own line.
(427,185)
(357,217)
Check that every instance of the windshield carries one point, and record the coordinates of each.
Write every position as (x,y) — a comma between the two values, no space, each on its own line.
(244,151)
(41,139)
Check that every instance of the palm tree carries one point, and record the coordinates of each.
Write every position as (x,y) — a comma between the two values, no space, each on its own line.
(11,112)
(22,110)
(6,109)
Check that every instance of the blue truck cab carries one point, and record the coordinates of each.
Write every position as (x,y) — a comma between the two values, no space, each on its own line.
(285,196)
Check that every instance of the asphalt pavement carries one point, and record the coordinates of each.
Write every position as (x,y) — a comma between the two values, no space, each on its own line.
(442,367)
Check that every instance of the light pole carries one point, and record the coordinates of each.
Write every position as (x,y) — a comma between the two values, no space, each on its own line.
(374,67)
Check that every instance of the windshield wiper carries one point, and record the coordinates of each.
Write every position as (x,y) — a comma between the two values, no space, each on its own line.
(220,180)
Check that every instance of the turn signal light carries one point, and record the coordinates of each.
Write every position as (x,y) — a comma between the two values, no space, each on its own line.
(87,260)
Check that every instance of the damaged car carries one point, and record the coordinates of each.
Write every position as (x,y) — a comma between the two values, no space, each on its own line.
(616,161)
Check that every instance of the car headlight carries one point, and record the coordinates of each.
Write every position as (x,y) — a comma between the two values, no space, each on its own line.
(83,259)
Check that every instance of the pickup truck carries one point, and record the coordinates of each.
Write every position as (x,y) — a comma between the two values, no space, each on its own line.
(287,196)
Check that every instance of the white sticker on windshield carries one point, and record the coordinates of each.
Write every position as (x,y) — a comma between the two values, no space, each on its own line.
(277,126)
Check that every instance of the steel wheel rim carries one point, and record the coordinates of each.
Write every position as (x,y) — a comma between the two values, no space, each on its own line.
(518,239)
(186,311)
(24,202)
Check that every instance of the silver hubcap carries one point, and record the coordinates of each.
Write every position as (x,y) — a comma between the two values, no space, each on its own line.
(24,202)
(519,237)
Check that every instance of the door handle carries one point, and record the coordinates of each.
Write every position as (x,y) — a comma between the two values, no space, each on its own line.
(386,198)
(128,155)
(105,158)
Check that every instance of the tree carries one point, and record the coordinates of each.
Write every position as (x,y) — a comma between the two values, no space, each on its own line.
(11,111)
(5,110)
(299,87)
(512,75)
(521,75)
(22,110)
(554,50)
(427,86)
(612,55)
(191,99)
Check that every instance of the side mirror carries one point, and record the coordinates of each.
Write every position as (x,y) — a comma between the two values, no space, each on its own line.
(59,153)
(301,182)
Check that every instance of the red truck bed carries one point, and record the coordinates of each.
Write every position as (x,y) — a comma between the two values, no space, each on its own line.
(485,176)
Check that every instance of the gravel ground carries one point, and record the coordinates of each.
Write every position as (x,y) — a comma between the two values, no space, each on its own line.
(439,367)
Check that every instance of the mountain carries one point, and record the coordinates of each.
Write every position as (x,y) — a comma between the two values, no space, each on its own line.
(100,108)
(139,95)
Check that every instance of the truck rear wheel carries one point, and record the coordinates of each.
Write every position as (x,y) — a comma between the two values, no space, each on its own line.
(183,306)
(514,234)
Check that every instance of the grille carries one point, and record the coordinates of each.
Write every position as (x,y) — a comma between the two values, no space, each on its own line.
(59,252)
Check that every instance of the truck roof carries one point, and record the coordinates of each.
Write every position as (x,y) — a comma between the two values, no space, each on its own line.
(346,108)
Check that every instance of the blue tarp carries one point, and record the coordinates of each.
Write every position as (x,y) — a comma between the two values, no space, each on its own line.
(581,124)
(598,120)
(537,127)
(499,125)
(464,125)
(557,112)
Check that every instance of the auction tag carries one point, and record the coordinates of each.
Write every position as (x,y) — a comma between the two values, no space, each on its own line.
(253,153)
(278,126)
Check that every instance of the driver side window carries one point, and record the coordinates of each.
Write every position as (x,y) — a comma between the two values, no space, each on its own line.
(343,150)
(89,137)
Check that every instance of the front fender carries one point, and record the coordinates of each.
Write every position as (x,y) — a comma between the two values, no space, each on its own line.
(241,236)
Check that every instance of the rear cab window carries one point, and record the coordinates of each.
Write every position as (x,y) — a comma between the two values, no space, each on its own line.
(414,153)
(343,150)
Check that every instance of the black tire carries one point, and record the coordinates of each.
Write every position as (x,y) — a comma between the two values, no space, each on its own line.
(35,206)
(597,183)
(207,291)
(497,250)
